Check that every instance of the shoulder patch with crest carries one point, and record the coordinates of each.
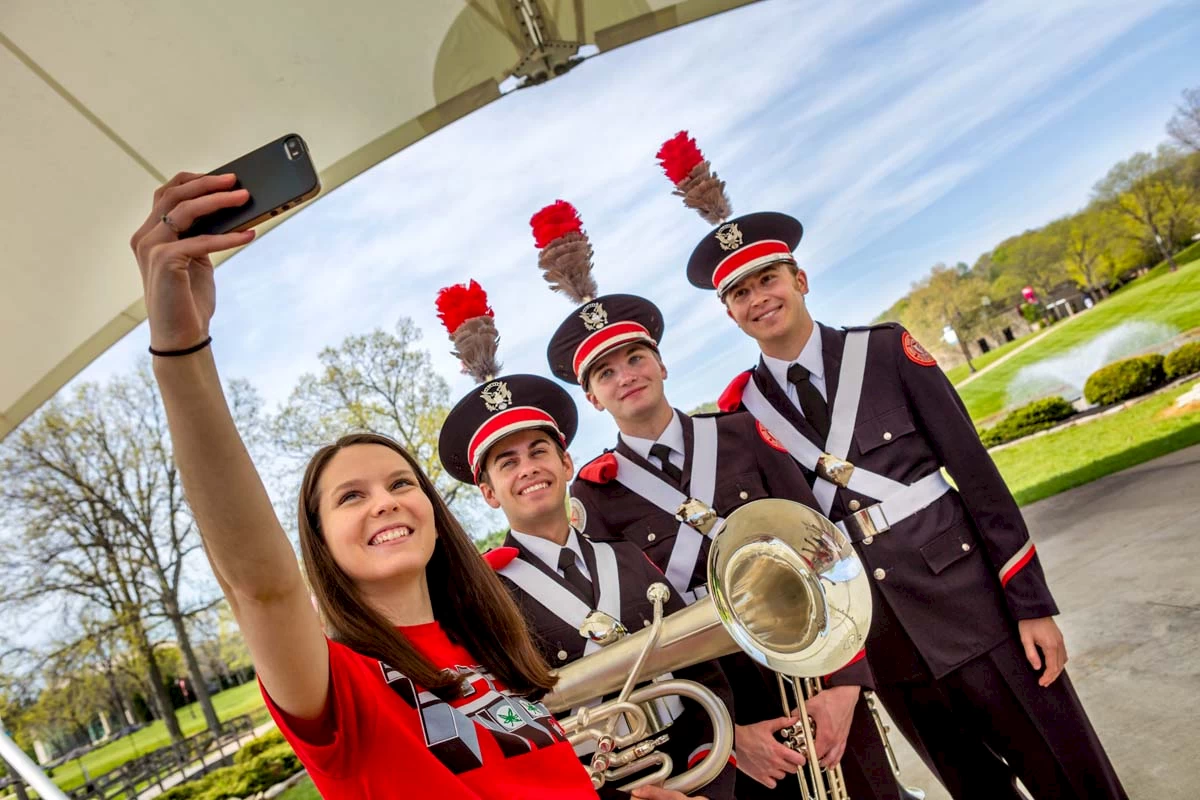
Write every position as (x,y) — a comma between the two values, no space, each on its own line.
(916,352)
(769,438)
(578,515)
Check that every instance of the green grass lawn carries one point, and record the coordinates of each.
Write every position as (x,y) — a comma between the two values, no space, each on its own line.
(1046,465)
(960,373)
(244,699)
(1189,253)
(304,790)
(1173,299)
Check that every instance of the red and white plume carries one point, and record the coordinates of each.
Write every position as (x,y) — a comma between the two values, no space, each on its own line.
(694,179)
(566,253)
(464,310)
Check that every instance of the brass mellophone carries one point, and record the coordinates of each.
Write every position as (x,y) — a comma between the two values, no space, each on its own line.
(785,586)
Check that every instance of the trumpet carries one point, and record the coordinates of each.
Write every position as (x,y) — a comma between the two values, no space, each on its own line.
(785,586)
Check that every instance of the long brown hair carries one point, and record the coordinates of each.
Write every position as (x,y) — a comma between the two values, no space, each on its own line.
(469,601)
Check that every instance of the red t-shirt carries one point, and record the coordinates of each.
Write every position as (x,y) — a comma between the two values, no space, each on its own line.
(383,737)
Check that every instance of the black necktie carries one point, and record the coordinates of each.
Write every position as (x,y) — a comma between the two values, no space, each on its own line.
(570,571)
(811,403)
(663,454)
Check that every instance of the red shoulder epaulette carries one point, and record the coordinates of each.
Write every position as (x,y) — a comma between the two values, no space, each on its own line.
(499,557)
(731,398)
(600,470)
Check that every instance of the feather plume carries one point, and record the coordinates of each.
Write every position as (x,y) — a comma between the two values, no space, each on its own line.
(468,318)
(566,253)
(695,182)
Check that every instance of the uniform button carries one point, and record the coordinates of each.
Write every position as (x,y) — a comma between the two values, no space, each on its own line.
(887,436)
(651,538)
(562,655)
(868,539)
(855,505)
(744,495)
(645,623)
(879,574)
(966,547)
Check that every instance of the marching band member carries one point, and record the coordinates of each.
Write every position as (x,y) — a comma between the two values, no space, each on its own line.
(609,347)
(963,643)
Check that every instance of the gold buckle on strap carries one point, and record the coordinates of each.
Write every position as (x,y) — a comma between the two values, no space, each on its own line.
(834,469)
(697,514)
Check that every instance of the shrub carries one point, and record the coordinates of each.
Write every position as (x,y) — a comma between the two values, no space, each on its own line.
(1123,379)
(261,744)
(1036,416)
(1184,361)
(270,760)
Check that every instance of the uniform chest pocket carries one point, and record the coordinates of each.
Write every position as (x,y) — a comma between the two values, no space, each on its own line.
(652,532)
(737,490)
(948,547)
(883,429)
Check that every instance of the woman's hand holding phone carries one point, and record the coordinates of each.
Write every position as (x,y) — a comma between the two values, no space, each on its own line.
(177,274)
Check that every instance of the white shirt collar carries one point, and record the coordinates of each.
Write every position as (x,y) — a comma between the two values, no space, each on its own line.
(672,437)
(811,358)
(548,551)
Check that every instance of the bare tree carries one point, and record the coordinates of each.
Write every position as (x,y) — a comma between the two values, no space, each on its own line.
(92,481)
(380,382)
(1184,126)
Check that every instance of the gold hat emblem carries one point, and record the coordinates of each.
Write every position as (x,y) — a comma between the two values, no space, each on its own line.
(729,237)
(594,316)
(496,396)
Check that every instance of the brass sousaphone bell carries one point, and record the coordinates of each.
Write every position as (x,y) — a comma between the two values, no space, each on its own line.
(785,586)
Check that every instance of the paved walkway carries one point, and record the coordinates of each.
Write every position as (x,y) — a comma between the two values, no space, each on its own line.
(1122,555)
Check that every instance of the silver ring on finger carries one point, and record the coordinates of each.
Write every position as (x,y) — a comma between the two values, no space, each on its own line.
(166,220)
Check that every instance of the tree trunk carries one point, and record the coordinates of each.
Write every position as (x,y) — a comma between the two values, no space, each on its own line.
(199,686)
(966,350)
(158,686)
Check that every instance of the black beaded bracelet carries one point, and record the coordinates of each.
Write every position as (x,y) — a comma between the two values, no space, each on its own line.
(185,352)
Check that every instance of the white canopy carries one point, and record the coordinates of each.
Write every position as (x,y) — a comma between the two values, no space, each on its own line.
(100,101)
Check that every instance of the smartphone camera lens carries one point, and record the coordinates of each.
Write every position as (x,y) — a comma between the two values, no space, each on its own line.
(293,147)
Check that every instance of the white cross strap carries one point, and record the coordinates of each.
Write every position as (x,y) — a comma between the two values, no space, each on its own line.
(808,454)
(562,602)
(897,500)
(688,541)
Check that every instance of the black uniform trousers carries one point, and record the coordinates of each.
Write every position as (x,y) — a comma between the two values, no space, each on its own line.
(991,710)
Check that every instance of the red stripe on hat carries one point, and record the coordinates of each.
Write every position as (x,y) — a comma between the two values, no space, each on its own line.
(745,256)
(515,418)
(591,347)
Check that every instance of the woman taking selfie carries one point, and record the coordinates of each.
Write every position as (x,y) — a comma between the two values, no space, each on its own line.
(421,688)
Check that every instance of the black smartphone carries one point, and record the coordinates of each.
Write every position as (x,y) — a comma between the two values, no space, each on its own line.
(279,176)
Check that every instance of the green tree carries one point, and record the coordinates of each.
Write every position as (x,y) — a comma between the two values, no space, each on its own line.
(1148,192)
(1033,258)
(948,296)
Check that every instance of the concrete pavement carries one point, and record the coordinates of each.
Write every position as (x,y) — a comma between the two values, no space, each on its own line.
(1122,555)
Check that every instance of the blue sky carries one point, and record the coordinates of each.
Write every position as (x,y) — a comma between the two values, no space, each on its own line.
(900,133)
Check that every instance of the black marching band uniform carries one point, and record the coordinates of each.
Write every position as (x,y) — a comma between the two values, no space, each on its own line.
(617,575)
(953,571)
(728,461)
